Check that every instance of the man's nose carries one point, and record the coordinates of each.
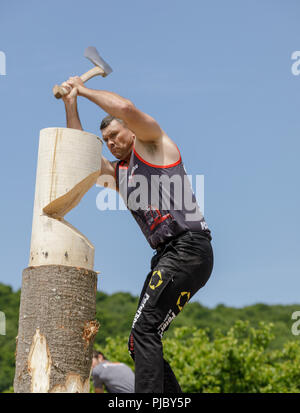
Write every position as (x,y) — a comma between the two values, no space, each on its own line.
(110,144)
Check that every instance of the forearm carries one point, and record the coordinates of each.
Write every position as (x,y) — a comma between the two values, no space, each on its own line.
(72,116)
(110,102)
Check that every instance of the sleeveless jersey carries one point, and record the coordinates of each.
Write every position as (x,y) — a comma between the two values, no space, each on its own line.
(160,198)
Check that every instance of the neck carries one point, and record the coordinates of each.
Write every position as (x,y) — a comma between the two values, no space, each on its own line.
(127,158)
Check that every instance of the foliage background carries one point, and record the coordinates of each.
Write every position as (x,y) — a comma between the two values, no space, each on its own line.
(223,349)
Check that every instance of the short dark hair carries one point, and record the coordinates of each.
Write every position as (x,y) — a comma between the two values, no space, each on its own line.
(108,119)
(96,354)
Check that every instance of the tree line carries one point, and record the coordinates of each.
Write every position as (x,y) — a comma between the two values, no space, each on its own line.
(220,349)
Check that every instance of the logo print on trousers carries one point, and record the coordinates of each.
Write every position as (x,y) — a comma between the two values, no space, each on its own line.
(140,309)
(183,299)
(156,280)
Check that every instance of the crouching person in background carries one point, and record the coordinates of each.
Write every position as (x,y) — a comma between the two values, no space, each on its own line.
(116,377)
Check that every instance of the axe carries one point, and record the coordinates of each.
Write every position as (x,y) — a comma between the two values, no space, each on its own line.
(101,68)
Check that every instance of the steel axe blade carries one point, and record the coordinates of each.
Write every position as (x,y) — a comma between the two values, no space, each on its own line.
(101,68)
(92,54)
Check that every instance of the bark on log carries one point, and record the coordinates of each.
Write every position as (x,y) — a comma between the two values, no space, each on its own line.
(56,330)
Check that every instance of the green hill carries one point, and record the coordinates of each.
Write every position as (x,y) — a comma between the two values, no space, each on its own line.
(115,313)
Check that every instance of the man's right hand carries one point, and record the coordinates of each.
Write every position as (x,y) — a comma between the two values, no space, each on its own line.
(72,95)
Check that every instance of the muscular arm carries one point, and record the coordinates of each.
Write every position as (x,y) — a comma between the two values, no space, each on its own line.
(107,173)
(70,101)
(72,116)
(143,125)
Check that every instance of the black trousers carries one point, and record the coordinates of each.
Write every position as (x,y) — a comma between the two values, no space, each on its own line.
(178,270)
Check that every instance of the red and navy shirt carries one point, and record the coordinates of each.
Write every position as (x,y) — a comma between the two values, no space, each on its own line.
(160,198)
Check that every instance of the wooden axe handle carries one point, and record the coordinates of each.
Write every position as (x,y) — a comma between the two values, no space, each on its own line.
(60,91)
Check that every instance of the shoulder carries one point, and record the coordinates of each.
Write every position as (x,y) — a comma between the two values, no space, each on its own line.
(108,167)
(162,151)
(97,370)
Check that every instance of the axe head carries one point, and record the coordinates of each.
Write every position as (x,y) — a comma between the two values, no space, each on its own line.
(92,54)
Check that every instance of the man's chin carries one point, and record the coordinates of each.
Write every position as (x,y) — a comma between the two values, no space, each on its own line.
(118,156)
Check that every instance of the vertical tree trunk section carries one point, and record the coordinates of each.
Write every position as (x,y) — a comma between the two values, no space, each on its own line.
(58,297)
(56,330)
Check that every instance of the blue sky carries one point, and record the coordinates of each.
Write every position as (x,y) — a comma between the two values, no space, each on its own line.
(217,77)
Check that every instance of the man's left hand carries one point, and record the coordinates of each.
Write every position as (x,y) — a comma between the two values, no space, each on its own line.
(75,81)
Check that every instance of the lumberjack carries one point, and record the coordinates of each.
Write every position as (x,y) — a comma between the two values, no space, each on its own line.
(183,261)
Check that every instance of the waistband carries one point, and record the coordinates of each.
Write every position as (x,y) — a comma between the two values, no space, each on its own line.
(191,234)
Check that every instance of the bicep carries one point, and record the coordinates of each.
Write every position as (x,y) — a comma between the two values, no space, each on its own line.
(143,125)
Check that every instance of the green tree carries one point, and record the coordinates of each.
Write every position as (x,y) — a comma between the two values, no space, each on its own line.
(9,304)
(115,313)
(241,361)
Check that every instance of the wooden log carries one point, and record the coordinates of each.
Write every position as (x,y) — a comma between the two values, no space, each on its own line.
(57,322)
(56,330)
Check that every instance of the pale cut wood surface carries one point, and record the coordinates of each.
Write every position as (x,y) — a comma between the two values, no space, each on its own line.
(69,163)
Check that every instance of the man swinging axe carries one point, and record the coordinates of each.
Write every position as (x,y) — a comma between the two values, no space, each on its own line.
(183,260)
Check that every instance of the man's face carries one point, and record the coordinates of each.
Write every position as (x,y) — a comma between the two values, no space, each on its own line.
(94,362)
(119,139)
(97,360)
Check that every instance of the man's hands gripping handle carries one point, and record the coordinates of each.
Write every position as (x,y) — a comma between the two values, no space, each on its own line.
(62,90)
